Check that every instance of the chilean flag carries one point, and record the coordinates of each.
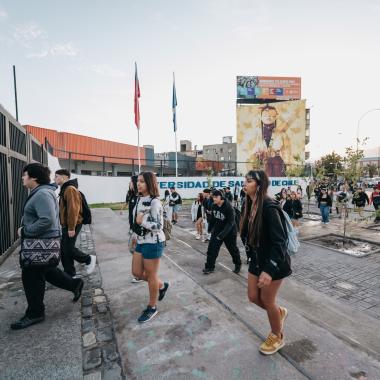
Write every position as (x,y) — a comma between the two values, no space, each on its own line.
(137,95)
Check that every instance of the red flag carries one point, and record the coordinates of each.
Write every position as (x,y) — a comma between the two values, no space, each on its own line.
(137,95)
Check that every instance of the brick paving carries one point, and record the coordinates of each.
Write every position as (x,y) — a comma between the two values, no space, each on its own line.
(354,281)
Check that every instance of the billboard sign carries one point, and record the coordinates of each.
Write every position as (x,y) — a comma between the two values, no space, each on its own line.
(276,88)
(271,136)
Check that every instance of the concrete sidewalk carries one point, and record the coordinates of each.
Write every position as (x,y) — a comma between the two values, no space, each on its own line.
(49,350)
(207,329)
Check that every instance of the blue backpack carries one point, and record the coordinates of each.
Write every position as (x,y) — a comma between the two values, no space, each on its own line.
(293,244)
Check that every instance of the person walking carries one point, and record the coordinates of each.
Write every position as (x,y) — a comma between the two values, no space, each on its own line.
(293,207)
(359,199)
(207,207)
(175,201)
(40,220)
(70,212)
(223,230)
(324,204)
(236,194)
(197,215)
(228,195)
(165,204)
(148,229)
(375,200)
(131,199)
(263,231)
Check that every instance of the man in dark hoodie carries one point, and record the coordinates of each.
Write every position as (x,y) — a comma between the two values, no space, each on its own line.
(223,230)
(70,212)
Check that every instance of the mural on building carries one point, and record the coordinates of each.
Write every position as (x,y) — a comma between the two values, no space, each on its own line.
(270,136)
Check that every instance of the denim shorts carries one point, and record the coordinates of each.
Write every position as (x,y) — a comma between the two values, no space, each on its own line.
(176,208)
(150,250)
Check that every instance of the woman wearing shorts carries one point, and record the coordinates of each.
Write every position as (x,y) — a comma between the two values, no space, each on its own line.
(148,228)
(262,229)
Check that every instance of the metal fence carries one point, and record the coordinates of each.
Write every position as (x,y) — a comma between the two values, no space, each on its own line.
(17,148)
(93,164)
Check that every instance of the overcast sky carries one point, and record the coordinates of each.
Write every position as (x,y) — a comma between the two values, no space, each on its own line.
(75,65)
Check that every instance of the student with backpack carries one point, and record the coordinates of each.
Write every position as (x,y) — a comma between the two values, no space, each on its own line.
(148,224)
(262,228)
(73,212)
(223,230)
(175,202)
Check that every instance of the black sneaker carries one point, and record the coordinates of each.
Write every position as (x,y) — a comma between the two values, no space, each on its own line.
(78,289)
(163,291)
(25,322)
(208,271)
(237,268)
(148,314)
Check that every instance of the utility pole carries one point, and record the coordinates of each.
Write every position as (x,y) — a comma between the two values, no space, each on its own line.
(15,89)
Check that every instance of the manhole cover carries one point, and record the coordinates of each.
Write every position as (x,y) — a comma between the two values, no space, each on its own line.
(345,286)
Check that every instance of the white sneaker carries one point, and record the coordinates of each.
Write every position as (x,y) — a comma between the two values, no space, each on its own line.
(90,267)
(197,237)
(135,280)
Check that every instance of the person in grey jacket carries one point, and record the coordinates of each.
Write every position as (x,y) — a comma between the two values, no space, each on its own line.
(41,220)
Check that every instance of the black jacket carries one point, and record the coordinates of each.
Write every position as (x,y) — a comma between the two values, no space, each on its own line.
(293,207)
(271,256)
(328,200)
(229,197)
(222,220)
(360,198)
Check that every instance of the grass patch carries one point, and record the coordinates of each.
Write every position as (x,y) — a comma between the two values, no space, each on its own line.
(112,206)
(117,206)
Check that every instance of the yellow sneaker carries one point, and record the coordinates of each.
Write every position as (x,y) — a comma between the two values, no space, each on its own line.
(272,344)
(284,314)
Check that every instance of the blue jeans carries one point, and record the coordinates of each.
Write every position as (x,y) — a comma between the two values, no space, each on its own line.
(325,212)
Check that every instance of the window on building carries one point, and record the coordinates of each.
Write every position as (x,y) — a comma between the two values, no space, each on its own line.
(222,158)
(221,150)
(85,172)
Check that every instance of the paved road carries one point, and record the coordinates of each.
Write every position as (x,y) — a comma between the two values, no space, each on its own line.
(325,338)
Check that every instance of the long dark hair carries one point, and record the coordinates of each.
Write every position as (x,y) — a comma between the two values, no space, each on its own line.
(252,219)
(151,184)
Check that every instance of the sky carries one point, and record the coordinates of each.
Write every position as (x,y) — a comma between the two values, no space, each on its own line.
(75,65)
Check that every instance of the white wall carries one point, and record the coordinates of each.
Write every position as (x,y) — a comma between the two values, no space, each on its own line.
(114,189)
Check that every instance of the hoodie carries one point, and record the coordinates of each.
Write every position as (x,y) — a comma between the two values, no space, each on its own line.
(222,220)
(70,205)
(41,214)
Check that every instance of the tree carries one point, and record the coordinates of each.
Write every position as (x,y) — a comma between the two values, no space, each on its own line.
(329,165)
(371,170)
(297,169)
(353,171)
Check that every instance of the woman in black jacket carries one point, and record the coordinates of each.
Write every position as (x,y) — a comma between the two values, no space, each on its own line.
(293,207)
(262,229)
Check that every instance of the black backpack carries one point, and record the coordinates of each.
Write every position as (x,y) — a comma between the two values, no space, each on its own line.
(86,211)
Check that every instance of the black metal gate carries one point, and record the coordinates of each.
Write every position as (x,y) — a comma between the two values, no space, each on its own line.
(17,148)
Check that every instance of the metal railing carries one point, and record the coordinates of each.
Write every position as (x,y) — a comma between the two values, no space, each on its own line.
(17,148)
(94,164)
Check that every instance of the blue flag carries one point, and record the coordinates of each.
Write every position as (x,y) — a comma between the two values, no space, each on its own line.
(174,105)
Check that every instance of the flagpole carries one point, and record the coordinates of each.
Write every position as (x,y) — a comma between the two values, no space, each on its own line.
(175,125)
(138,148)
(176,154)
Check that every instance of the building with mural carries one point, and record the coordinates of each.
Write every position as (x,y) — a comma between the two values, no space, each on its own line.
(273,124)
